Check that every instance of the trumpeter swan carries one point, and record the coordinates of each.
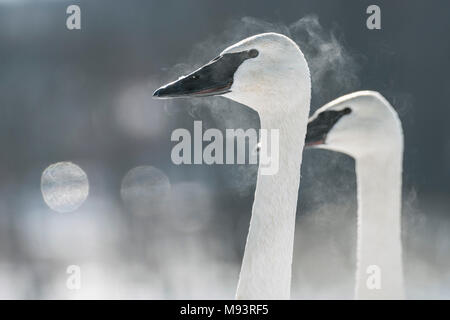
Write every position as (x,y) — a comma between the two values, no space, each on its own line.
(365,126)
(268,73)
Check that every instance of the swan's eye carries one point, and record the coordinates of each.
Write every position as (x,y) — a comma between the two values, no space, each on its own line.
(253,53)
(346,110)
(195,77)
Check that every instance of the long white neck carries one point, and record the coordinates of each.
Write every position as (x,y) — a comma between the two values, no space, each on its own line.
(379,255)
(266,266)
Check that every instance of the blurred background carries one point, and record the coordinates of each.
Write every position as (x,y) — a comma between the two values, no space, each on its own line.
(86,176)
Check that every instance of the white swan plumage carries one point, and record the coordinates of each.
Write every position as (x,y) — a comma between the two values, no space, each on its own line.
(269,74)
(365,126)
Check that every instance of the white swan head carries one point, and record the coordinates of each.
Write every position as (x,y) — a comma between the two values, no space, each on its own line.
(250,72)
(358,124)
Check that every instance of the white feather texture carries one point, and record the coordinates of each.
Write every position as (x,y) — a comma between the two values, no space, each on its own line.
(277,85)
(372,134)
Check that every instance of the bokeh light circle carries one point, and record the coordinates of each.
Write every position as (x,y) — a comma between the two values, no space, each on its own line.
(64,186)
(145,188)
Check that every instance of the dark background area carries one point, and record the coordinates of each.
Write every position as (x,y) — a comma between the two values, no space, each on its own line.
(85,96)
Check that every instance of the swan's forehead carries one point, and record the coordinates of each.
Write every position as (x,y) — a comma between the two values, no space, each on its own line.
(366,104)
(266,42)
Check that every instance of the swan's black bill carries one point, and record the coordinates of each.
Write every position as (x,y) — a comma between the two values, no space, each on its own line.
(214,78)
(320,125)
